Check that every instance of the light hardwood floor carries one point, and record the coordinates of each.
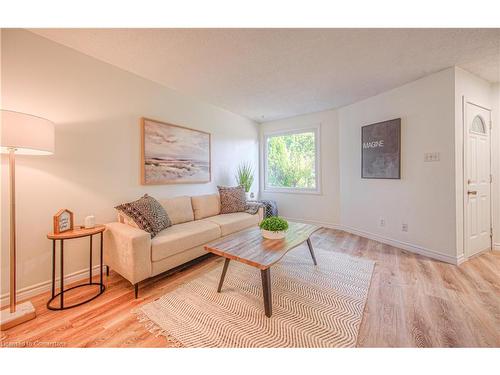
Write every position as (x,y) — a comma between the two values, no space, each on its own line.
(413,301)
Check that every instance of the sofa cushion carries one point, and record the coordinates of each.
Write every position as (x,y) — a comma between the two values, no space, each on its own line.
(182,237)
(232,199)
(179,209)
(205,205)
(147,213)
(230,223)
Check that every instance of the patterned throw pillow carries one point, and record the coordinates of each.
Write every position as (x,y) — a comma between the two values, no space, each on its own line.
(232,199)
(147,213)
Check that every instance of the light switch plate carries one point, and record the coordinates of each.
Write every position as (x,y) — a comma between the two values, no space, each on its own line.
(431,156)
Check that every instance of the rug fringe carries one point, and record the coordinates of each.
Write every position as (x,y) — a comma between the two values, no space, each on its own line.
(156,330)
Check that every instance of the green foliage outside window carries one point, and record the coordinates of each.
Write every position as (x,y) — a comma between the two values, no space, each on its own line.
(291,161)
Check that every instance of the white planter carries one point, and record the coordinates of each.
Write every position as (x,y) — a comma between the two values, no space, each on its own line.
(273,235)
(249,195)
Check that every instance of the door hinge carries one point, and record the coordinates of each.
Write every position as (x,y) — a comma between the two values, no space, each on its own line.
(491,178)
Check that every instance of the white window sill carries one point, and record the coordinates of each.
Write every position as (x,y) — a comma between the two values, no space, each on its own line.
(291,191)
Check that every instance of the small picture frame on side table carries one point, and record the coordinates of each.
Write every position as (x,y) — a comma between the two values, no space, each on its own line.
(63,221)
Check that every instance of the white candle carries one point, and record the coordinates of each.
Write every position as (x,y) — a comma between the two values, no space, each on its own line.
(90,221)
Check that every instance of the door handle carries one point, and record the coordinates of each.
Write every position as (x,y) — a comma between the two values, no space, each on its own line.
(472,192)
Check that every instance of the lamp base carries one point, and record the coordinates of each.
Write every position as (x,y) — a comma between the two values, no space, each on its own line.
(24,311)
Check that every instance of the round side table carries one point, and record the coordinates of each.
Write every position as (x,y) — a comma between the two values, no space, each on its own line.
(75,233)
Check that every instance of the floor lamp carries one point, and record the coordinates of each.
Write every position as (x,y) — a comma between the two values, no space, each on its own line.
(21,134)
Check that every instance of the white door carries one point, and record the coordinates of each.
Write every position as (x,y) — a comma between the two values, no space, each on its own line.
(478,178)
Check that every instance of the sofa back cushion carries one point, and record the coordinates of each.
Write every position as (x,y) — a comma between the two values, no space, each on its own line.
(179,209)
(205,206)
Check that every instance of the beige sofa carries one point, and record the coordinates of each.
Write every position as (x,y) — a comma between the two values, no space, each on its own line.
(196,220)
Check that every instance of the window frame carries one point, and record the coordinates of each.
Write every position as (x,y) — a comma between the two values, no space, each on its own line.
(316,129)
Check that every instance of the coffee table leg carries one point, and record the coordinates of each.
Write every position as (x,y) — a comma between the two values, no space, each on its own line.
(266,289)
(311,251)
(224,270)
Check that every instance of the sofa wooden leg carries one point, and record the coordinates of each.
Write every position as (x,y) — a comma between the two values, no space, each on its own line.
(136,287)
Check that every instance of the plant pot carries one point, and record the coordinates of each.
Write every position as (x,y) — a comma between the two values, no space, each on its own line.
(273,235)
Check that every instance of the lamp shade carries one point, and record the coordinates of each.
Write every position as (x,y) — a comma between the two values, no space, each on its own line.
(27,134)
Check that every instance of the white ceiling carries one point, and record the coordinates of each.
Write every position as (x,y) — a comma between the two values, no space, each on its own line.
(268,74)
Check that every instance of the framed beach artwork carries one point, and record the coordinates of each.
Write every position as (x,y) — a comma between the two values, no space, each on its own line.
(172,154)
(381,150)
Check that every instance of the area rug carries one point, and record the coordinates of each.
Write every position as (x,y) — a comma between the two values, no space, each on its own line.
(313,306)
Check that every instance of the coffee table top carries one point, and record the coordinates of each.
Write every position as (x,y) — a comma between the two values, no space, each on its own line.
(249,247)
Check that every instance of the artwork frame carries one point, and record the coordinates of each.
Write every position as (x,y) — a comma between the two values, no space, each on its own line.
(63,221)
(198,141)
(381,150)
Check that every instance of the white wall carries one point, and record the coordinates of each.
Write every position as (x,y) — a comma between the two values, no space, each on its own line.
(321,208)
(96,109)
(424,197)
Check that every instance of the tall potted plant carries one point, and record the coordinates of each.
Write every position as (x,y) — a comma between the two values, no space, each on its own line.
(244,177)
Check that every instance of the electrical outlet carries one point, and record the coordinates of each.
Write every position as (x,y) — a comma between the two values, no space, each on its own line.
(431,156)
(382,222)
(404,227)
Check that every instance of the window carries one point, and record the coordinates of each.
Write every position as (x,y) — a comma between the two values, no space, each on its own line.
(478,125)
(291,161)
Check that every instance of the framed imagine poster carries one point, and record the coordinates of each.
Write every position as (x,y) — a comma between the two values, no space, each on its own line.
(381,150)
(172,154)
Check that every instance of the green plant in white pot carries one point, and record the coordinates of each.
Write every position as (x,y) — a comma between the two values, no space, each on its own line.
(273,228)
(244,177)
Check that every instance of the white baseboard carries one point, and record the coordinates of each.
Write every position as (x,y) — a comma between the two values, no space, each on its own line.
(461,259)
(388,241)
(320,223)
(45,286)
(496,246)
(403,245)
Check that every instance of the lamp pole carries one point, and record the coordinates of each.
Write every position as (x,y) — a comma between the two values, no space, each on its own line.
(12,193)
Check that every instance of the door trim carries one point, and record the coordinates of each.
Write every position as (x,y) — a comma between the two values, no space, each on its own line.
(465,183)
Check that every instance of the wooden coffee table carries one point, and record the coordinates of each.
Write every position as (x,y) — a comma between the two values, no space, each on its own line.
(249,247)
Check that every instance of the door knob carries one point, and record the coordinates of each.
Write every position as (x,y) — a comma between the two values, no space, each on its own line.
(472,192)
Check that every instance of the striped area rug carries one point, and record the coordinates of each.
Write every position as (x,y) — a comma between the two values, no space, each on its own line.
(313,306)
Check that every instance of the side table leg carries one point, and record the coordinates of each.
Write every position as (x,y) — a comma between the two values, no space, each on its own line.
(53,268)
(266,289)
(311,251)
(62,274)
(223,275)
(100,268)
(90,263)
